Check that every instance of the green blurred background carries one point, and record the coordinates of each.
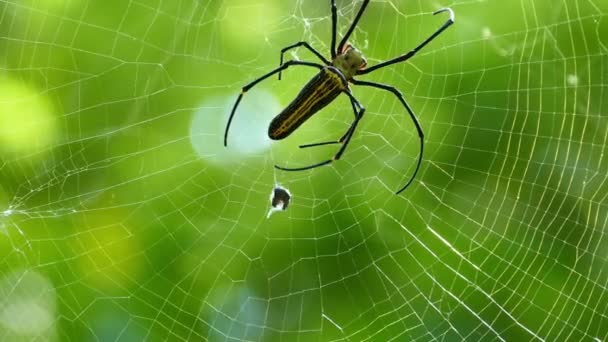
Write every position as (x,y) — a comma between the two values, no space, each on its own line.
(123,218)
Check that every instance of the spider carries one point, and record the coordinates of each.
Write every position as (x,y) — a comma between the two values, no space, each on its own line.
(332,80)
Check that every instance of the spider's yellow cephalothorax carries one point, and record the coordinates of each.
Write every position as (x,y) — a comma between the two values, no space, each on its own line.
(349,61)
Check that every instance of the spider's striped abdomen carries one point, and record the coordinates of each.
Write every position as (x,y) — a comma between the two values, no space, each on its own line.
(316,94)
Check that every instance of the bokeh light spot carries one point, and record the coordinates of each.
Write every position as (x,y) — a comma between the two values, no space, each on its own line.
(27,306)
(249,130)
(27,122)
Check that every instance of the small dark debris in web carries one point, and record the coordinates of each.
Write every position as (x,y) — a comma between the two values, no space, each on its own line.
(279,199)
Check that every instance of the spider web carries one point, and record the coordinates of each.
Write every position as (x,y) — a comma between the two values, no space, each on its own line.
(122,216)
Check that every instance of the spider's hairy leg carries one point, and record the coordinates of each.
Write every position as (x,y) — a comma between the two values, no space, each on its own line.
(415,50)
(409,110)
(306,45)
(352,27)
(334,27)
(255,82)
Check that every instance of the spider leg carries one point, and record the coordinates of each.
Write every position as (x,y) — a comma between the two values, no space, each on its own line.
(412,116)
(412,52)
(348,136)
(306,45)
(339,141)
(334,28)
(352,26)
(256,81)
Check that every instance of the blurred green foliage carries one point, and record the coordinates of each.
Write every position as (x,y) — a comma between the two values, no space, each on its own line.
(149,229)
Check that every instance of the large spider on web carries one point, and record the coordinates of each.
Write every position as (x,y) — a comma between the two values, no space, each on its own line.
(332,80)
